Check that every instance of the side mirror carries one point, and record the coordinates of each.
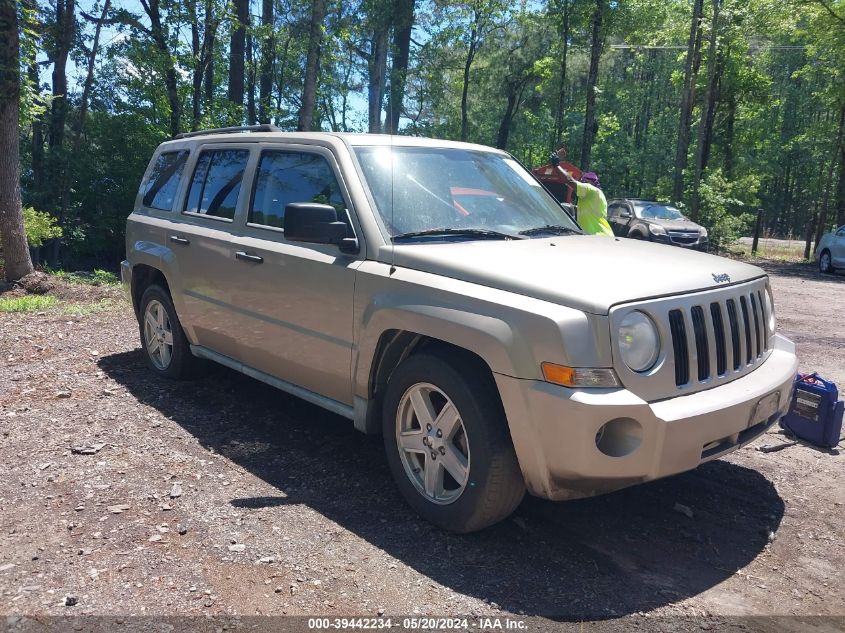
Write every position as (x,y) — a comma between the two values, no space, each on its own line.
(317,224)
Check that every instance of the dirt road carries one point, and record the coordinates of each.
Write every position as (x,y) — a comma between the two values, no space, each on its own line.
(129,495)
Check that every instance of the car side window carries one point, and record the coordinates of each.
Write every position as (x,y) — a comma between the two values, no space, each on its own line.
(285,177)
(163,183)
(217,183)
(841,232)
(614,211)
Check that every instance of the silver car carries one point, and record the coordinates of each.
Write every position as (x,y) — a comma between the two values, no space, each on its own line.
(434,293)
(831,251)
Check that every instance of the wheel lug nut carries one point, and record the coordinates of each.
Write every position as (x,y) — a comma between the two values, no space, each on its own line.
(433,455)
(427,427)
(442,450)
(439,433)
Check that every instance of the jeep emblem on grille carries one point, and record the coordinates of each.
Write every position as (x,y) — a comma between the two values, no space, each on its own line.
(721,279)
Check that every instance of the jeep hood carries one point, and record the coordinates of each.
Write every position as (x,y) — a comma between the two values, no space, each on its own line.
(585,272)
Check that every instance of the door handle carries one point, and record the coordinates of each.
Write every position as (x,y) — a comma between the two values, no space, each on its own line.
(246,257)
(177,239)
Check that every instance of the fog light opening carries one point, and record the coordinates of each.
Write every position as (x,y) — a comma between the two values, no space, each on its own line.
(619,437)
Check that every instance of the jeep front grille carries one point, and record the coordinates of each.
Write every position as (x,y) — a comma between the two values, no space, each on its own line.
(701,329)
(708,338)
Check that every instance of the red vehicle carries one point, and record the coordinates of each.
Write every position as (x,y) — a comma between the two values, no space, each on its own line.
(554,181)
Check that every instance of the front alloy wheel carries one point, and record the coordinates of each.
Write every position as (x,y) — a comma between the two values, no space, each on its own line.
(433,443)
(447,441)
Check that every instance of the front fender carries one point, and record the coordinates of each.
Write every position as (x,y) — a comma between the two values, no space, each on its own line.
(512,333)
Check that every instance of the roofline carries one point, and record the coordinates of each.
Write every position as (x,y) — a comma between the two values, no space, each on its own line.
(351,139)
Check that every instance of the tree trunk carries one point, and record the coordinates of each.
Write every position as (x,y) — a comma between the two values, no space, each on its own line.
(65,27)
(822,225)
(473,48)
(251,116)
(706,124)
(268,50)
(377,71)
(514,99)
(37,139)
(197,55)
(730,132)
(58,164)
(840,188)
(12,235)
(312,66)
(89,76)
(403,22)
(209,36)
(159,37)
(237,50)
(590,124)
(557,142)
(687,100)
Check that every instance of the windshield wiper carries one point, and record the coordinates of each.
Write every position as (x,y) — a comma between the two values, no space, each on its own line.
(551,229)
(454,232)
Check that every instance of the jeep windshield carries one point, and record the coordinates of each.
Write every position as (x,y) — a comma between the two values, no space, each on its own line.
(424,194)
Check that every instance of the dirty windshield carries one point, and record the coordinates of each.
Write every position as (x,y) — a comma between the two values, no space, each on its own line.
(439,193)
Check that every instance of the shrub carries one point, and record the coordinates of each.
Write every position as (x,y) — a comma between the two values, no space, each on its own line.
(39,227)
(723,205)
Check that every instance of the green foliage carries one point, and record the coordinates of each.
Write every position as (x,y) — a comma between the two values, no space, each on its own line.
(781,90)
(97,278)
(724,208)
(27,303)
(39,226)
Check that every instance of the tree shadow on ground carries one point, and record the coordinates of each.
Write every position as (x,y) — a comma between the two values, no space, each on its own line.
(623,553)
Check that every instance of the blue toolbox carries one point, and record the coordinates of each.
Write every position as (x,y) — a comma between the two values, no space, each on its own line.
(815,414)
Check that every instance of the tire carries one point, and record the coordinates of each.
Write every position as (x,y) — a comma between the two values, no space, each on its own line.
(493,485)
(825,263)
(165,334)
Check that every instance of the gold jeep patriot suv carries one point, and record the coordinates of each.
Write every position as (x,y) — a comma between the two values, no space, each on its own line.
(435,293)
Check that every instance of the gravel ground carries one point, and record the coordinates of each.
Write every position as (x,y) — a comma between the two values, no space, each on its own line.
(125,495)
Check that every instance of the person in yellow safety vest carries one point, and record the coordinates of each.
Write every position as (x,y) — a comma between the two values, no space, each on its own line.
(592,205)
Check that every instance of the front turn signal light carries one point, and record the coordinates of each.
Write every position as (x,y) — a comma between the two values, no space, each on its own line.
(579,377)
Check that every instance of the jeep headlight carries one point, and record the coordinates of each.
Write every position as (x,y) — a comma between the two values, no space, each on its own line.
(639,341)
(703,232)
(656,229)
(770,310)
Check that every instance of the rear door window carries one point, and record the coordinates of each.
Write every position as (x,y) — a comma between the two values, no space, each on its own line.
(163,184)
(217,183)
(285,177)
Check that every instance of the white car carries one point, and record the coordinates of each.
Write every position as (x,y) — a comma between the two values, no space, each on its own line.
(831,251)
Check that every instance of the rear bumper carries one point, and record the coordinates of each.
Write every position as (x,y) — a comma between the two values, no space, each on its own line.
(126,281)
(555,429)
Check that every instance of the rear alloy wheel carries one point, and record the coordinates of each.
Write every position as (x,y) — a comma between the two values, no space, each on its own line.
(166,349)
(158,335)
(825,263)
(448,444)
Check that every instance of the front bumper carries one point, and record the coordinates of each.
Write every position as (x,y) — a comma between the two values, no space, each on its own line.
(555,429)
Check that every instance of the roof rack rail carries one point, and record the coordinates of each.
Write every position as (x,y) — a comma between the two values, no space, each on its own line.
(266,127)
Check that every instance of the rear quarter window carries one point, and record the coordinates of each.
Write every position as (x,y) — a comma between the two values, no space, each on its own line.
(160,189)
